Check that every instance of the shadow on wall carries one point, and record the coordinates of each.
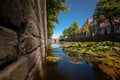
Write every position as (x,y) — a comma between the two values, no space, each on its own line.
(22,39)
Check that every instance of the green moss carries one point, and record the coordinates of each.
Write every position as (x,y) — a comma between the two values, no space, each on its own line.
(109,70)
(97,52)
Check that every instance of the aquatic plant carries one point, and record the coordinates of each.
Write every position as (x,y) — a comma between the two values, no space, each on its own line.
(101,53)
(49,51)
(109,71)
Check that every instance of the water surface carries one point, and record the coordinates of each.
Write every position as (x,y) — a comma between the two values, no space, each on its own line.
(72,68)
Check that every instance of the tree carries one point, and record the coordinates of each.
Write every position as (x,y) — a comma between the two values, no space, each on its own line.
(72,30)
(75,28)
(61,37)
(85,29)
(54,7)
(107,9)
(65,33)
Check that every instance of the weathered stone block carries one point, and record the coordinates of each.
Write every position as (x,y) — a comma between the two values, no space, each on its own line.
(16,71)
(22,39)
(27,45)
(32,29)
(8,45)
(34,57)
(12,10)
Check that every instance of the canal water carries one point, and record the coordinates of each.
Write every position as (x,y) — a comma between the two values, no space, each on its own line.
(72,68)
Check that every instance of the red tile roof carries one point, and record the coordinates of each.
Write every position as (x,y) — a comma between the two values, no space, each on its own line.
(106,23)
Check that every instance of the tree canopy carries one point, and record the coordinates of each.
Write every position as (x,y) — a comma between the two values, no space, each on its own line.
(85,28)
(107,9)
(54,7)
(73,29)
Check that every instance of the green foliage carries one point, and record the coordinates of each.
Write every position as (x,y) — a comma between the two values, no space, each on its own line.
(73,29)
(85,28)
(54,7)
(49,51)
(100,53)
(94,46)
(61,36)
(107,9)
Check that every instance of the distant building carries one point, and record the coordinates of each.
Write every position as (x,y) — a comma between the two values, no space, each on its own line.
(106,26)
(95,29)
(85,30)
(103,28)
(92,26)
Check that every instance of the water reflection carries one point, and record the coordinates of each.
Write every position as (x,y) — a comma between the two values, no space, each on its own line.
(76,60)
(71,68)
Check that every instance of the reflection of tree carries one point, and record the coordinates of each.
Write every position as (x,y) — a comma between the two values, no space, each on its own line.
(75,58)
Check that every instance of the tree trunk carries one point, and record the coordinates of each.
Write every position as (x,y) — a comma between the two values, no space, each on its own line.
(110,21)
(112,27)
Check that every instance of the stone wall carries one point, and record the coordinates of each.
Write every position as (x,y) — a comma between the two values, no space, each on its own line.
(23,39)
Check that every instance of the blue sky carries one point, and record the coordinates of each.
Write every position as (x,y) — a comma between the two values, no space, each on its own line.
(79,11)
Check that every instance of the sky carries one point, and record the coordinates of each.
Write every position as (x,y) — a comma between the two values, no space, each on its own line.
(79,11)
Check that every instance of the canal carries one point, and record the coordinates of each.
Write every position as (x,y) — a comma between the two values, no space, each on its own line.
(72,68)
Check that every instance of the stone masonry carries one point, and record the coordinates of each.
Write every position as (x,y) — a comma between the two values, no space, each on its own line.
(23,39)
